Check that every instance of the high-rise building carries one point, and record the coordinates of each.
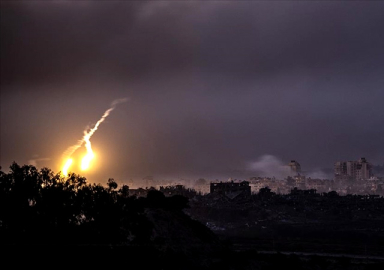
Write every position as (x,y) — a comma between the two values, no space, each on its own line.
(295,167)
(353,170)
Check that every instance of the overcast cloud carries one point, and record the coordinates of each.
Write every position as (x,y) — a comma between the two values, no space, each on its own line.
(212,86)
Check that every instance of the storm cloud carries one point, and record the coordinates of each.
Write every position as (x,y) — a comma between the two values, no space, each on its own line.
(212,85)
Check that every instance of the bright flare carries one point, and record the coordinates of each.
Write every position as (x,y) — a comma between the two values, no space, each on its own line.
(86,160)
(86,139)
(89,156)
(66,166)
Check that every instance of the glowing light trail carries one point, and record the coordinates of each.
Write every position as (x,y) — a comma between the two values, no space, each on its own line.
(66,166)
(89,156)
(86,139)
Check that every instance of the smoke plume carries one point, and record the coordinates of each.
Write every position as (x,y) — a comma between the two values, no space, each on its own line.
(269,166)
(88,134)
(36,159)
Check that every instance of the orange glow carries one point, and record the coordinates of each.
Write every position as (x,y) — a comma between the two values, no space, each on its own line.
(85,162)
(89,156)
(66,166)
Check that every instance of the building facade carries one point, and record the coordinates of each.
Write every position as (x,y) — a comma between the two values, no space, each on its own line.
(295,167)
(231,189)
(353,170)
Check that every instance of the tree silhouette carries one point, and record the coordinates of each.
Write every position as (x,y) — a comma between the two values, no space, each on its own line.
(41,207)
(47,208)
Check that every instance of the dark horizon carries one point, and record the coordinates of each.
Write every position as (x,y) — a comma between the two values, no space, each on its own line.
(213,87)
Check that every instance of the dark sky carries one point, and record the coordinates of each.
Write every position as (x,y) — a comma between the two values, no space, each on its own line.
(212,86)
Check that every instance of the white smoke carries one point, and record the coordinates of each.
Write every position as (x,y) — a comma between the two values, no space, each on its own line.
(34,161)
(88,134)
(117,101)
(269,166)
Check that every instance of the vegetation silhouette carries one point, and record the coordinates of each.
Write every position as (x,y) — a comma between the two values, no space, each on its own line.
(42,209)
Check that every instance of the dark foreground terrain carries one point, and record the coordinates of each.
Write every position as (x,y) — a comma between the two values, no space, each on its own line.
(344,232)
(50,220)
